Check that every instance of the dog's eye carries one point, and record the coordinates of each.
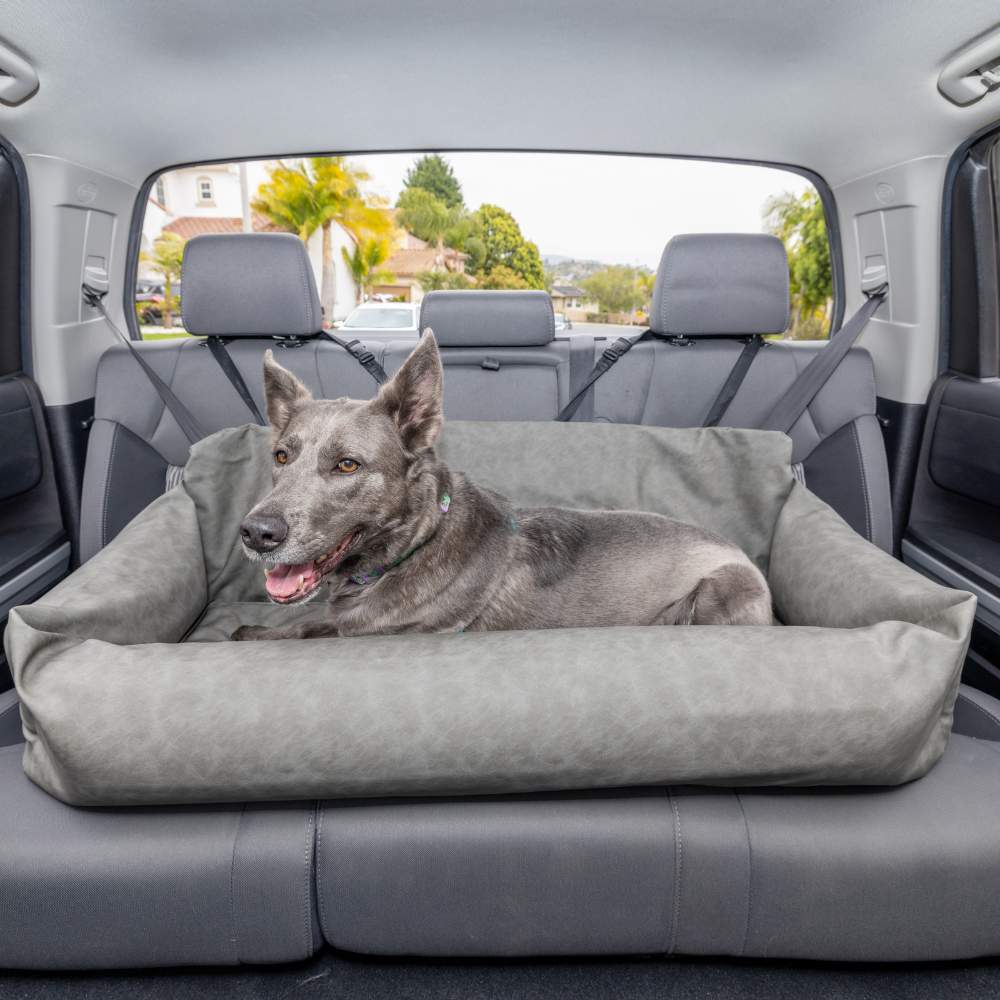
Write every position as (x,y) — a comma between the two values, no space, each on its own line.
(281,456)
(348,466)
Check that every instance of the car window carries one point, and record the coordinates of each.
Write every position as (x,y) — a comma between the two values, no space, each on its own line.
(589,229)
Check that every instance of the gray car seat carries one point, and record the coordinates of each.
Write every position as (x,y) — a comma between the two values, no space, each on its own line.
(736,285)
(502,361)
(501,357)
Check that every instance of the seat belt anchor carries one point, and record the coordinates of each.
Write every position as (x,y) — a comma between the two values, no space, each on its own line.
(92,296)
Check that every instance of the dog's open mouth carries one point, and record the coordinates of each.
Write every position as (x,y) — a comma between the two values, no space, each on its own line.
(287,583)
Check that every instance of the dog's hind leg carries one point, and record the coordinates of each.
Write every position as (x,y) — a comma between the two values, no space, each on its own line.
(734,594)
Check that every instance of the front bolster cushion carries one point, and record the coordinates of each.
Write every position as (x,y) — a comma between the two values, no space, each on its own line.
(93,889)
(858,689)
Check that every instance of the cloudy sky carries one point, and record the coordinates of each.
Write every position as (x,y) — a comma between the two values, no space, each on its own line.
(616,209)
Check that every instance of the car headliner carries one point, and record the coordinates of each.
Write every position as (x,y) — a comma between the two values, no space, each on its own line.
(842,88)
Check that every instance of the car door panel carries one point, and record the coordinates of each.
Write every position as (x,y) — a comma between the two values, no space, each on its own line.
(34,549)
(953,534)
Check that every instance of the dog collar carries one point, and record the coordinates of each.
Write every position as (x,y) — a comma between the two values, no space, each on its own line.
(360,579)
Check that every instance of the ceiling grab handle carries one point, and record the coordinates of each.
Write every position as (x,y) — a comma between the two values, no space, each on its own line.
(18,79)
(974,71)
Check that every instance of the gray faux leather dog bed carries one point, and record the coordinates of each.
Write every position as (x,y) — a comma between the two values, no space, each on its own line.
(129,697)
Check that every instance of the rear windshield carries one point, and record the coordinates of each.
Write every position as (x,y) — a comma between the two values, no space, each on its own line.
(388,228)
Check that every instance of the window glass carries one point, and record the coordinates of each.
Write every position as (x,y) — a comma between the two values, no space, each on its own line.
(589,229)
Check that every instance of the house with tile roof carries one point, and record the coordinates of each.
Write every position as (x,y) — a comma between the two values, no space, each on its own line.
(411,258)
(572,302)
(192,201)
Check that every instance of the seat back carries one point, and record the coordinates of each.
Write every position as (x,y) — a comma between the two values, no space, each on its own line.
(502,362)
(501,357)
(712,290)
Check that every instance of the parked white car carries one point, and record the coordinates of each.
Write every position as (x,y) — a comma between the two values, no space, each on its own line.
(383,318)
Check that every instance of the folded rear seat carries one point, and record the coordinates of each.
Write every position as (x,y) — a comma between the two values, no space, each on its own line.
(902,874)
(123,888)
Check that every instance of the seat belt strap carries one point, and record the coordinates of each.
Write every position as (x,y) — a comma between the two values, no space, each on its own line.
(364,357)
(733,381)
(186,420)
(610,356)
(218,348)
(787,410)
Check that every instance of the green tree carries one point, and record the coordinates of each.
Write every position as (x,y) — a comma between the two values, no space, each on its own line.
(504,245)
(647,282)
(502,276)
(800,223)
(315,193)
(617,288)
(365,264)
(427,217)
(165,259)
(433,281)
(433,173)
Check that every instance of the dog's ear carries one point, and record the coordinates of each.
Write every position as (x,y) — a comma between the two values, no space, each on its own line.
(414,396)
(283,392)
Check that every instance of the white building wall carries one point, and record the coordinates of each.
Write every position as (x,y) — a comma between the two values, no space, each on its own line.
(181,191)
(346,289)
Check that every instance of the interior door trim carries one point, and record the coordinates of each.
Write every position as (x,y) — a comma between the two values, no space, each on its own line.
(38,576)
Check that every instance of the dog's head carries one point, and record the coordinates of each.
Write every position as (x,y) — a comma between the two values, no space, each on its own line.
(348,475)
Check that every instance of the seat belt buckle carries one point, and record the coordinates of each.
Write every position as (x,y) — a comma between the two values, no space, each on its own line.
(360,352)
(614,351)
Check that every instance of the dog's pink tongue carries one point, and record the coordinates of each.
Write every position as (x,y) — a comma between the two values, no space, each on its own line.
(283,580)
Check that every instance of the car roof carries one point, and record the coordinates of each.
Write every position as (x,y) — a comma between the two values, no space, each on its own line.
(827,86)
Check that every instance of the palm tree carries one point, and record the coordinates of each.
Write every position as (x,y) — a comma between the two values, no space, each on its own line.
(313,194)
(365,264)
(166,260)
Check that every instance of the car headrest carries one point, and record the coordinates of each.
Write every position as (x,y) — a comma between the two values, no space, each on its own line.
(249,285)
(489,319)
(725,284)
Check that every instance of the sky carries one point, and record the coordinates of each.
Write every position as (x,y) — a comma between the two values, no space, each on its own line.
(615,209)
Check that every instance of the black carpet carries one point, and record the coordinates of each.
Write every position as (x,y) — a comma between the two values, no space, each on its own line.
(346,978)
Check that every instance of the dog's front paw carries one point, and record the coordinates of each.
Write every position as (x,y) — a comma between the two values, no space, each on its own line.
(247,633)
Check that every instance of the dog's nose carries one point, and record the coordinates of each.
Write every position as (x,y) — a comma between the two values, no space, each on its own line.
(263,532)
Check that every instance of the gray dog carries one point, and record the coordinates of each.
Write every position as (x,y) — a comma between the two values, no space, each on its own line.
(362,503)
